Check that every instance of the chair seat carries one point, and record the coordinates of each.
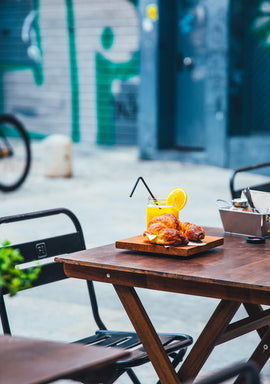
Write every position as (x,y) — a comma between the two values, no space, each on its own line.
(130,340)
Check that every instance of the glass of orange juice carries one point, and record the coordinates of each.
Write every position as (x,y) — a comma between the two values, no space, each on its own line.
(159,206)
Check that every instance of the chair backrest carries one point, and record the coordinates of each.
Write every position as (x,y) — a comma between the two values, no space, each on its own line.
(236,192)
(46,249)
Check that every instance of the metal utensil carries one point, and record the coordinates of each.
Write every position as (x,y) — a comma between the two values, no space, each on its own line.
(249,199)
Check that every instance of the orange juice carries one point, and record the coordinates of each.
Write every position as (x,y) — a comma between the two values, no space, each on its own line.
(159,207)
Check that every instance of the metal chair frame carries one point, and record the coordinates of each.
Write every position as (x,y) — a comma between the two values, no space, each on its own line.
(246,372)
(174,344)
(262,187)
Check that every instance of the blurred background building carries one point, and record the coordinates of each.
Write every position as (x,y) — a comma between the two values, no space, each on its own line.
(182,79)
(71,67)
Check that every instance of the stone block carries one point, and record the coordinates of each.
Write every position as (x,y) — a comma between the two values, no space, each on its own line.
(57,156)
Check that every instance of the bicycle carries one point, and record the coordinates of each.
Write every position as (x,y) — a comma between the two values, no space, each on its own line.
(15,153)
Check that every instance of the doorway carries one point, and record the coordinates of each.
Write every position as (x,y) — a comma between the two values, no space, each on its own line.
(190,75)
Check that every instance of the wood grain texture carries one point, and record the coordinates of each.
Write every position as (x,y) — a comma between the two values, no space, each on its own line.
(147,334)
(137,243)
(262,353)
(24,361)
(236,270)
(207,340)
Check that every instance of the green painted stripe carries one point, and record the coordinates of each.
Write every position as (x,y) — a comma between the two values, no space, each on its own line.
(73,73)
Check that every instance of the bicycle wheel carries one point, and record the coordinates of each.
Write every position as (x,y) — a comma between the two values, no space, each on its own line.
(15,153)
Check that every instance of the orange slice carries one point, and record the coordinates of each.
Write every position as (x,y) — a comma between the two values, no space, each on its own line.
(177,198)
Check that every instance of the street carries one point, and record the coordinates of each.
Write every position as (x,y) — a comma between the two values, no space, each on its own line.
(98,193)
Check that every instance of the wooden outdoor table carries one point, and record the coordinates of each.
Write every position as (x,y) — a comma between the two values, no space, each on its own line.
(236,272)
(31,361)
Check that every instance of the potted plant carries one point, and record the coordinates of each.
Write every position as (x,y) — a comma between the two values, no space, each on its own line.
(13,278)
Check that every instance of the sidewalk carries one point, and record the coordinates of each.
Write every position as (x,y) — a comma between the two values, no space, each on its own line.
(98,193)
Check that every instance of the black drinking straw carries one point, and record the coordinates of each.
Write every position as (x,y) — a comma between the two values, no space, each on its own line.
(148,189)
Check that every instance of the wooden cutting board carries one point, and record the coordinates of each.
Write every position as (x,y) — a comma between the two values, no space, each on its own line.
(136,243)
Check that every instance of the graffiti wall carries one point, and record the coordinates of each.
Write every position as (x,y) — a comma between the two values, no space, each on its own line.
(71,67)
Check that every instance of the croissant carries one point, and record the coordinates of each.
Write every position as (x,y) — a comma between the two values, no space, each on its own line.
(192,231)
(170,221)
(179,234)
(158,233)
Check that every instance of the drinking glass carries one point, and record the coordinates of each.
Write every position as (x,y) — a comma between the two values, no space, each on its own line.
(159,206)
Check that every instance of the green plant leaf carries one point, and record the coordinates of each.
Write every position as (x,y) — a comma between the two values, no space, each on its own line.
(11,277)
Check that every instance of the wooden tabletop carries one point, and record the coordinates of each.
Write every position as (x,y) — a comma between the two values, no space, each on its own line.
(237,270)
(31,361)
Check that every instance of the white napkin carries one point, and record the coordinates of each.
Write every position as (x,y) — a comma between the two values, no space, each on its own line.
(261,200)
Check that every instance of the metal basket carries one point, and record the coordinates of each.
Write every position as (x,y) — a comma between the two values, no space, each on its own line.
(243,222)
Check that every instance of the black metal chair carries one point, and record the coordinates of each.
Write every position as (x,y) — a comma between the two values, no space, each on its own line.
(236,192)
(246,372)
(43,248)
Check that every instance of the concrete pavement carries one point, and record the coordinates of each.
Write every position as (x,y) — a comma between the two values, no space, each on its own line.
(98,193)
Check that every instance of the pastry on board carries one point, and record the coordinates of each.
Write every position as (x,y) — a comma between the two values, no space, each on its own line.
(192,231)
(166,229)
(170,221)
(158,233)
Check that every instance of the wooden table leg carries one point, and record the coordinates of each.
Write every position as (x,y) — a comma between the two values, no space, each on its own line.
(147,334)
(253,310)
(262,353)
(207,339)
(260,356)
